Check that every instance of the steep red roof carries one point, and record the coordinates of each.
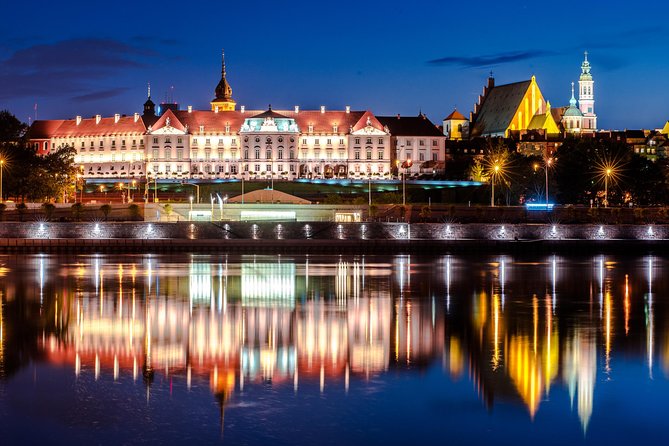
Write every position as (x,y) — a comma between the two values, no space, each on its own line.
(362,122)
(213,122)
(107,127)
(44,129)
(174,121)
(456,115)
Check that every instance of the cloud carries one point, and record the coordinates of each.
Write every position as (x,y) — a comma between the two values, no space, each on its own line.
(102,94)
(491,59)
(68,66)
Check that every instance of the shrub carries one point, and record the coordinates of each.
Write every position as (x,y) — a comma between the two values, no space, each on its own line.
(77,209)
(21,208)
(48,209)
(106,210)
(134,211)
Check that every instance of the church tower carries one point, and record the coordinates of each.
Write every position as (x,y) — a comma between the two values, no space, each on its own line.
(223,100)
(586,97)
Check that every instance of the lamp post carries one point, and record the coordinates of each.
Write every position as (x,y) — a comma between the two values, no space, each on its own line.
(2,165)
(369,190)
(607,174)
(242,188)
(406,165)
(190,214)
(134,184)
(547,166)
(495,171)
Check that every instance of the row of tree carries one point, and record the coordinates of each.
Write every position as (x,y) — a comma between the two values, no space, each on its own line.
(28,176)
(581,171)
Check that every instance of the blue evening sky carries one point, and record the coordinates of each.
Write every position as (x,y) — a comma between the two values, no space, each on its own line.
(86,58)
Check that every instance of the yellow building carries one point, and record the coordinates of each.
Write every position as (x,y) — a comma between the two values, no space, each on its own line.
(665,129)
(507,108)
(456,126)
(223,100)
(545,121)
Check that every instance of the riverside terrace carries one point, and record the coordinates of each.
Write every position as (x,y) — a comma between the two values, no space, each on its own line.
(329,237)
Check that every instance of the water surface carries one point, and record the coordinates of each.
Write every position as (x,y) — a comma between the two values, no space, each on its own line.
(333,350)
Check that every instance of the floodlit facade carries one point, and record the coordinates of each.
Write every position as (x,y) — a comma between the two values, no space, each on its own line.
(227,142)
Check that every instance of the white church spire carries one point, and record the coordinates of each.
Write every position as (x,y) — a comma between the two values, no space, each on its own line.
(586,96)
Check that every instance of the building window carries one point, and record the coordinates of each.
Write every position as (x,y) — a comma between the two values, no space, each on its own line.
(194,140)
(341,141)
(421,156)
(280,154)
(434,143)
(207,141)
(380,154)
(421,143)
(357,140)
(380,140)
(356,155)
(292,154)
(113,144)
(369,140)
(257,150)
(180,140)
(207,154)
(257,167)
(207,168)
(329,142)
(268,154)
(220,154)
(168,168)
(155,154)
(179,168)
(268,167)
(168,153)
(434,157)
(180,154)
(369,154)
(155,140)
(279,167)
(233,169)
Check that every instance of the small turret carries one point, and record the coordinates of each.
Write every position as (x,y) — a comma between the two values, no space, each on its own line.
(149,106)
(223,100)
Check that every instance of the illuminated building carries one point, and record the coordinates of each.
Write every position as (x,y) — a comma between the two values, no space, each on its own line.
(231,142)
(506,108)
(586,97)
(456,126)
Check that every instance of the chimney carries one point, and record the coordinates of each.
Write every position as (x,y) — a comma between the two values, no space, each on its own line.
(190,109)
(117,118)
(78,120)
(136,117)
(297,109)
(348,109)
(322,108)
(242,108)
(97,119)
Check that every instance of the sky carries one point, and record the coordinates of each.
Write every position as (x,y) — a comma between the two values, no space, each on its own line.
(85,58)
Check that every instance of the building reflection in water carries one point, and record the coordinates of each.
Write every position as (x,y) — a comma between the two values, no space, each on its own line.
(234,322)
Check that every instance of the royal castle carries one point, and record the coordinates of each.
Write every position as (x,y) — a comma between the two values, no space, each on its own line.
(228,141)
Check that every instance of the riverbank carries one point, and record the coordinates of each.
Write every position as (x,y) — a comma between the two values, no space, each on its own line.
(329,238)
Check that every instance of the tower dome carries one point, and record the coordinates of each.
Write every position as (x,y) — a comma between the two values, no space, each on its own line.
(223,100)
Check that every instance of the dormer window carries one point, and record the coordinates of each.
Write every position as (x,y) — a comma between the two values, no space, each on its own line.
(311,128)
(335,128)
(201,129)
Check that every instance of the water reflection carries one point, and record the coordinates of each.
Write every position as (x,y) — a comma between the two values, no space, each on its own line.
(516,330)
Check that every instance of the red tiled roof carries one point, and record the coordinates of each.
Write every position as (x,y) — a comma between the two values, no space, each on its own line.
(213,122)
(126,125)
(455,115)
(174,121)
(362,122)
(44,129)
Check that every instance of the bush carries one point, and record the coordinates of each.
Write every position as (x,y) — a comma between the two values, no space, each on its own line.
(21,208)
(48,209)
(77,209)
(106,210)
(133,209)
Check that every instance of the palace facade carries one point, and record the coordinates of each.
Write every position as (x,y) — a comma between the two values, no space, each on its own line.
(226,142)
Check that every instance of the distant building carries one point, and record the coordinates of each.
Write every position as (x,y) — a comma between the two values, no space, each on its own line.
(506,108)
(226,142)
(416,142)
(456,126)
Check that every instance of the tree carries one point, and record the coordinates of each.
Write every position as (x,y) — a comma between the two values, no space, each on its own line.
(106,210)
(11,129)
(3,207)
(49,210)
(21,209)
(168,210)
(77,209)
(477,172)
(134,211)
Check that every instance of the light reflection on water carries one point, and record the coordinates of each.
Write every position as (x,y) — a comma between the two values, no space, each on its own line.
(147,341)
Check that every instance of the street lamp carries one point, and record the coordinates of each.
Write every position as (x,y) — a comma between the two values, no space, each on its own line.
(191,208)
(495,172)
(2,165)
(607,174)
(405,165)
(547,166)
